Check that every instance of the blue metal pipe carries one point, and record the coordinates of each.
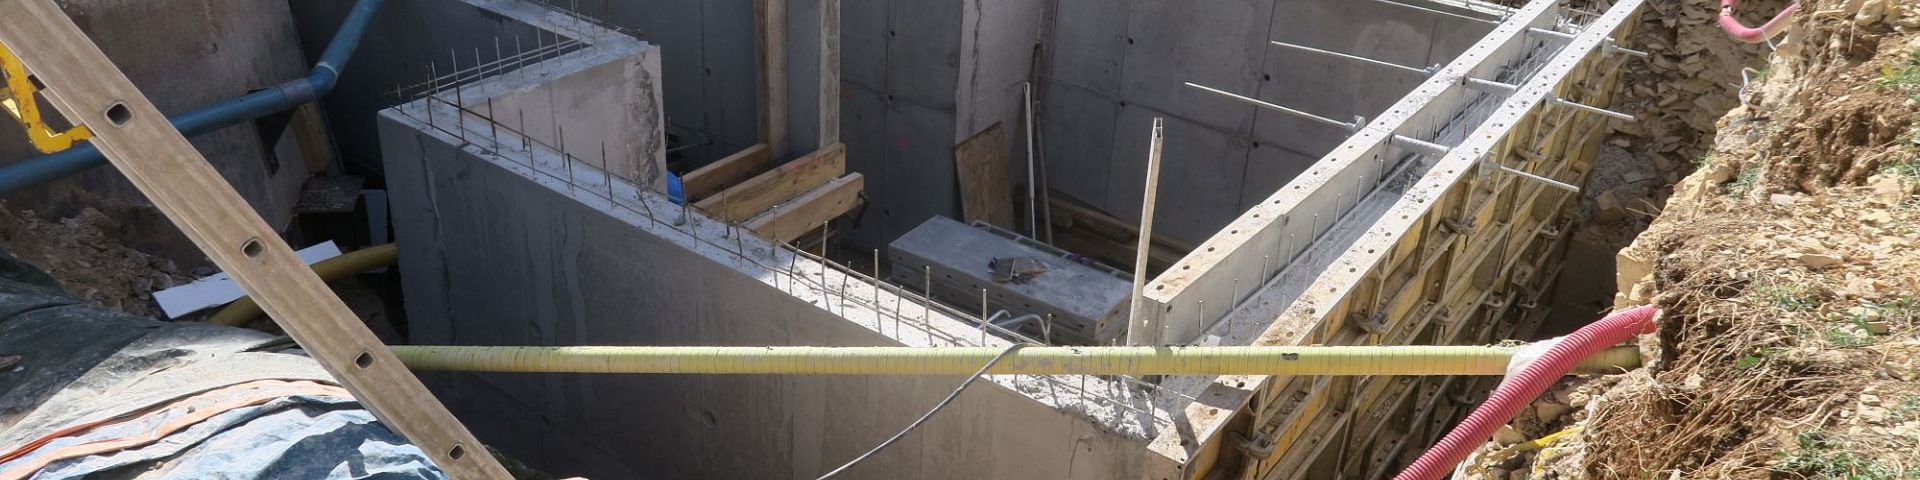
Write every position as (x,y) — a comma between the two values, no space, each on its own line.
(317,83)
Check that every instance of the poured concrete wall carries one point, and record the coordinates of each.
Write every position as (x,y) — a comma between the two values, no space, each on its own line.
(398,53)
(708,49)
(1116,65)
(187,54)
(917,79)
(496,254)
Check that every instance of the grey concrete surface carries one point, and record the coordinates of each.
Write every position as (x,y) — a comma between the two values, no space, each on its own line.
(186,54)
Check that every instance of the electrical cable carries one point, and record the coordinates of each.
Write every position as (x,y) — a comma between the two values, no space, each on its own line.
(923,418)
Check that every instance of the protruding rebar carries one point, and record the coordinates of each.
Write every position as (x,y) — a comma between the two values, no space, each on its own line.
(1275,107)
(1423,71)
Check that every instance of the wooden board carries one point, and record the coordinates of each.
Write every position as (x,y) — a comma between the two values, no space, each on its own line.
(762,192)
(316,145)
(981,162)
(726,172)
(809,211)
(829,72)
(770,58)
(137,138)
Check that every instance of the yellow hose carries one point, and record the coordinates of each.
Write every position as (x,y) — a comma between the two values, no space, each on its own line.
(243,310)
(1135,361)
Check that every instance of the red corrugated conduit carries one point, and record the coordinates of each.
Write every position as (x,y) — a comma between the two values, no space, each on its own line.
(1747,34)
(1519,391)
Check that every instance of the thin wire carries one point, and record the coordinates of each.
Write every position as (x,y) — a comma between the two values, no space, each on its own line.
(923,418)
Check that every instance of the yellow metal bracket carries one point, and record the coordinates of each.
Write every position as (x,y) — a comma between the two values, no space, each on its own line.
(16,96)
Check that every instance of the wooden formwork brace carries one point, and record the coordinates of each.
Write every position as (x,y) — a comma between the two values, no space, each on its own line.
(84,84)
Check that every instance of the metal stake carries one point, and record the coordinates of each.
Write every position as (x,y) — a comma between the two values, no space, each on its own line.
(1136,319)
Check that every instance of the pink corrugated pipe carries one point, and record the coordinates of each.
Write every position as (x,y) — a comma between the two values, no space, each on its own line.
(1519,390)
(1747,34)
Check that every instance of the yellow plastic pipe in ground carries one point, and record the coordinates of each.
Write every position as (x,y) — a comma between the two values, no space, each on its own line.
(1131,361)
(243,310)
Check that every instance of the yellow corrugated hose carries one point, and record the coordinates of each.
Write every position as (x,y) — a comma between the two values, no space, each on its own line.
(243,310)
(1133,361)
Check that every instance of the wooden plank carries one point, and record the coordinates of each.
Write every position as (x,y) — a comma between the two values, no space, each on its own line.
(770,57)
(726,172)
(981,164)
(810,210)
(762,192)
(829,72)
(316,144)
(139,141)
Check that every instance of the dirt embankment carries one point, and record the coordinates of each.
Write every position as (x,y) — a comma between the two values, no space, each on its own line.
(1788,269)
(116,259)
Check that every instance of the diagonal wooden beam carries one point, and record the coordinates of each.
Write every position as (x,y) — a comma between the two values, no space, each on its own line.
(137,138)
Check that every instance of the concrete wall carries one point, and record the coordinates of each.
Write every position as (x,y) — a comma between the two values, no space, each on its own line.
(186,54)
(1113,66)
(496,254)
(709,65)
(602,105)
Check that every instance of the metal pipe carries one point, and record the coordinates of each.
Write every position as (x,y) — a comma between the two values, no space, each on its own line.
(1438,12)
(1550,182)
(1357,58)
(317,83)
(1550,33)
(1490,86)
(1270,106)
(1589,108)
(1134,324)
(1419,146)
(1033,202)
(1128,361)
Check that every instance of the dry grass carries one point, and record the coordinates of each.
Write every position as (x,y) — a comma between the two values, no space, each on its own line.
(1768,358)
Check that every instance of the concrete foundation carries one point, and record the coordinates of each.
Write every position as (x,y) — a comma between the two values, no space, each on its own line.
(509,238)
(506,244)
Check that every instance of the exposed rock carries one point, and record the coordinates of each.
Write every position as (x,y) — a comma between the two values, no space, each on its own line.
(1818,261)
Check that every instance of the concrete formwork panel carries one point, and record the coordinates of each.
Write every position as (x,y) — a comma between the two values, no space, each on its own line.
(1456,257)
(1283,225)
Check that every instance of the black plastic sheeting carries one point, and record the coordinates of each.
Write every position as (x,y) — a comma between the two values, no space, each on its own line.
(80,362)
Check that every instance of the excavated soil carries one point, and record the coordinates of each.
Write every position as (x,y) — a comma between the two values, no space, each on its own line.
(114,259)
(1787,266)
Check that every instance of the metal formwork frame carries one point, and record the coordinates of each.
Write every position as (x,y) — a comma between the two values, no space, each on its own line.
(1463,256)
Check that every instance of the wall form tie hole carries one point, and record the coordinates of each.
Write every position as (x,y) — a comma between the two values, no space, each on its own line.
(253,248)
(119,114)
